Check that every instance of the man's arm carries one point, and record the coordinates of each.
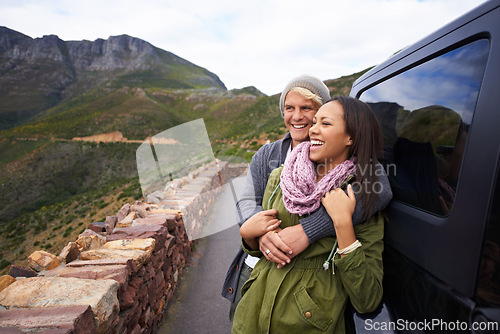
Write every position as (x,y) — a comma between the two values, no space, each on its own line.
(318,225)
(250,201)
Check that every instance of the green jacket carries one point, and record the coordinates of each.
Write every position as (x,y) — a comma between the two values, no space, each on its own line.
(302,297)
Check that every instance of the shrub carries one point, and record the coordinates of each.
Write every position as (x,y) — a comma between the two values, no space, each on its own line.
(68,230)
(4,263)
(41,226)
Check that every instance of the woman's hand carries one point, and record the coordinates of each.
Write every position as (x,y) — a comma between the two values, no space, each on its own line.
(340,207)
(258,225)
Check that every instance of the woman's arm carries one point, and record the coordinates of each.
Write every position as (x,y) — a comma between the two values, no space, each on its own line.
(340,207)
(361,270)
(258,225)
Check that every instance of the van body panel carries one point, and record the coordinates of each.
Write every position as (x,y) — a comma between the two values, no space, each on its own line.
(433,260)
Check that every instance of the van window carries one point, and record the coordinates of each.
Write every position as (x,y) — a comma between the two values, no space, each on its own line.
(425,114)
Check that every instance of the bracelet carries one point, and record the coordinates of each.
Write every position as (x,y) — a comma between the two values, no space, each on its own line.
(356,244)
(350,248)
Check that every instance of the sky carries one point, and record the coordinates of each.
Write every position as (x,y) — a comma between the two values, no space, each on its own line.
(261,43)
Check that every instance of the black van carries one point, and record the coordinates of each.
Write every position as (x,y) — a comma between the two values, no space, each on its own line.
(438,103)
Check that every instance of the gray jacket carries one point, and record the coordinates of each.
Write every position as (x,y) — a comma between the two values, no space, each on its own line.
(316,226)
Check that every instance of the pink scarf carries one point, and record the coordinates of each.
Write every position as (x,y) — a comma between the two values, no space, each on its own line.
(301,194)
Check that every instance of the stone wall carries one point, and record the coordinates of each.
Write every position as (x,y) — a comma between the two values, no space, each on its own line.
(119,275)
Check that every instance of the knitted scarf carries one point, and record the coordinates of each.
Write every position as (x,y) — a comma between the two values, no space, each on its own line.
(301,194)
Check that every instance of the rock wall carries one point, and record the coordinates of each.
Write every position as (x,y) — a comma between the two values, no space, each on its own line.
(119,275)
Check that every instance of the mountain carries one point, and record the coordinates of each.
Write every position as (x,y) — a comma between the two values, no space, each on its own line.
(121,89)
(37,74)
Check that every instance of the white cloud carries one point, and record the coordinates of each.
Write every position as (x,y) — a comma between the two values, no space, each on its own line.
(260,43)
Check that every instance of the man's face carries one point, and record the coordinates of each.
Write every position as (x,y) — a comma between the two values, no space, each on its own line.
(299,113)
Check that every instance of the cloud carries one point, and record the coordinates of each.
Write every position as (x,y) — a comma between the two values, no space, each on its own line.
(259,43)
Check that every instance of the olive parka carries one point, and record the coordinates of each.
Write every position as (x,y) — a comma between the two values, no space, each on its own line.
(303,297)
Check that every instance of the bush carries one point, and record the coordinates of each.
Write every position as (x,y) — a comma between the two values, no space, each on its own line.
(4,263)
(68,230)
(101,204)
(231,151)
(41,226)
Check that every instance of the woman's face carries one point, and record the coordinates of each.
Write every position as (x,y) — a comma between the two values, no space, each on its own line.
(329,141)
(299,113)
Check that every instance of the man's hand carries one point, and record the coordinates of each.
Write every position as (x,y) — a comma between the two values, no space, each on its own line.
(284,244)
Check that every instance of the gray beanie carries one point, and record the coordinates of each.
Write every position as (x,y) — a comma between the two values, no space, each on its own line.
(311,83)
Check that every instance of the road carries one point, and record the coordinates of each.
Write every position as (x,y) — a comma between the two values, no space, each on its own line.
(197,305)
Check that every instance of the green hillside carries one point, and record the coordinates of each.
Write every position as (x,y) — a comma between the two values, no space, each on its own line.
(52,186)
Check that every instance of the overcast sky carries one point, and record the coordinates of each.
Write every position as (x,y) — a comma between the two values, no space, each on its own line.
(261,43)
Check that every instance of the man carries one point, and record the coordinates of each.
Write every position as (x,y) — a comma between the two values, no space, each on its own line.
(299,102)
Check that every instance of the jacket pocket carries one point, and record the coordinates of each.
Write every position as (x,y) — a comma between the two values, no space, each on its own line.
(249,282)
(310,311)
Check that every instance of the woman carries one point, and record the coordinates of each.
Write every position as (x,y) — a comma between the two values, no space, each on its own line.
(310,294)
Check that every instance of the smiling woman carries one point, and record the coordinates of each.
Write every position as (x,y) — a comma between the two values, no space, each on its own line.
(309,294)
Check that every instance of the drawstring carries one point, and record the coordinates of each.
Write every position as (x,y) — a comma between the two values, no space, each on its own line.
(326,265)
(270,198)
(274,192)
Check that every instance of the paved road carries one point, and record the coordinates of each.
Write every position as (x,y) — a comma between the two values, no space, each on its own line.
(197,306)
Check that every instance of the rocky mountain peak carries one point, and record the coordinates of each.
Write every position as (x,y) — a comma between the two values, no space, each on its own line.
(117,52)
(8,38)
(18,47)
(36,74)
